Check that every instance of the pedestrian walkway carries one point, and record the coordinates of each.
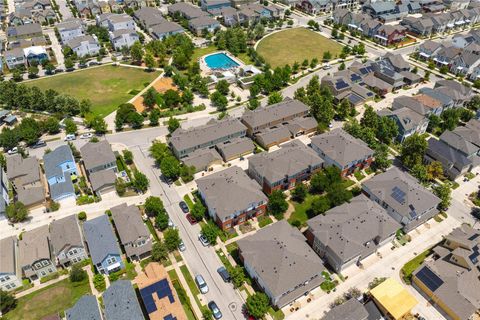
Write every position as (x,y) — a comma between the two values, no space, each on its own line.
(90,274)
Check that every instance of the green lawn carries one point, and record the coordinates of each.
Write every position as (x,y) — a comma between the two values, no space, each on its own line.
(301,209)
(107,87)
(182,295)
(413,264)
(191,284)
(295,45)
(188,201)
(47,301)
(358,175)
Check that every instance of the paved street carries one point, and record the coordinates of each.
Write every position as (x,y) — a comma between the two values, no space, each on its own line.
(56,47)
(64,9)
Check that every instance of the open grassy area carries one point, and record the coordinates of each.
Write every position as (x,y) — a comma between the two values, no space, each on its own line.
(301,209)
(47,301)
(191,284)
(288,46)
(107,87)
(182,295)
(413,264)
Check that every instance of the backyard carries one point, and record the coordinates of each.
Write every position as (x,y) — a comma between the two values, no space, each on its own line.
(107,87)
(48,301)
(295,45)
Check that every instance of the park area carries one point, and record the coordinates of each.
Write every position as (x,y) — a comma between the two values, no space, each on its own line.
(106,87)
(296,45)
(51,300)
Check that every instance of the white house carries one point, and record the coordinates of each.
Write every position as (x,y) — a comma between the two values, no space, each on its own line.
(123,38)
(70,29)
(85,45)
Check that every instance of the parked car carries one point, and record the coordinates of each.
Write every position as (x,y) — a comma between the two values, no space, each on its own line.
(203,240)
(182,246)
(166,179)
(82,65)
(222,271)
(86,135)
(59,70)
(184,207)
(217,314)
(14,150)
(326,67)
(39,144)
(70,69)
(202,285)
(171,224)
(191,219)
(70,137)
(93,63)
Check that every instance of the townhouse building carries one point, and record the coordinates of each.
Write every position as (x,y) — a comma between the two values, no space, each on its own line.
(25,178)
(70,29)
(85,45)
(67,243)
(60,166)
(10,277)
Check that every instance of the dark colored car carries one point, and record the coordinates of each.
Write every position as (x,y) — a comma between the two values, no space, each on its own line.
(222,271)
(93,63)
(39,144)
(217,314)
(184,207)
(59,70)
(70,69)
(82,65)
(191,219)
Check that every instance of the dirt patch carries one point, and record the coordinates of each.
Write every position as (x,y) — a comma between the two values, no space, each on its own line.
(45,297)
(161,85)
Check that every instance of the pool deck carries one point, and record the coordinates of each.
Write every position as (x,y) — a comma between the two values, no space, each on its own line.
(206,70)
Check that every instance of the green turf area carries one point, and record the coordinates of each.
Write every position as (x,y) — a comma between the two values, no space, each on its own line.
(301,209)
(188,201)
(182,295)
(107,87)
(47,301)
(288,46)
(413,264)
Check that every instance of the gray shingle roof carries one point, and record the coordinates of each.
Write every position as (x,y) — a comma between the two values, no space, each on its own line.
(458,142)
(33,246)
(24,30)
(292,158)
(100,238)
(7,255)
(129,224)
(263,116)
(282,260)
(95,154)
(353,229)
(350,310)
(342,147)
(25,175)
(65,233)
(121,302)
(236,147)
(54,159)
(101,179)
(75,42)
(230,191)
(86,308)
(202,21)
(166,27)
(201,159)
(149,16)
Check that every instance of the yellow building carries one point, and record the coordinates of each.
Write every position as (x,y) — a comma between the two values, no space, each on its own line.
(393,299)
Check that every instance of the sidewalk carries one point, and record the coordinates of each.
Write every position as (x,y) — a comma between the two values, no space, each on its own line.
(193,303)
(90,275)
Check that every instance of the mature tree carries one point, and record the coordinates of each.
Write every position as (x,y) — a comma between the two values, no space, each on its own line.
(159,251)
(172,239)
(210,232)
(187,172)
(319,206)
(140,181)
(223,87)
(173,124)
(387,130)
(171,98)
(99,125)
(275,97)
(327,55)
(337,194)
(277,205)
(16,212)
(321,181)
(153,206)
(7,301)
(219,101)
(136,51)
(444,192)
(69,63)
(154,117)
(33,72)
(238,276)
(198,211)
(343,109)
(299,192)
(70,126)
(159,150)
(450,118)
(419,171)
(434,170)
(413,150)
(258,305)
(52,125)
(381,154)
(170,167)
(77,274)
(150,98)
(370,118)
(150,61)
(128,156)
(161,220)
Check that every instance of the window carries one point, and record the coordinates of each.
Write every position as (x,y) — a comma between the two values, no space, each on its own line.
(7,286)
(7,278)
(111,260)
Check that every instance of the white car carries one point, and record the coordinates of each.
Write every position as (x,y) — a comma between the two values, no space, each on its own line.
(86,135)
(326,67)
(14,150)
(70,137)
(202,285)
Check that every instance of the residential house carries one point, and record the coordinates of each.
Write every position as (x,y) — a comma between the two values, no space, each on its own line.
(36,54)
(235,148)
(26,31)
(451,279)
(14,58)
(465,63)
(456,154)
(231,197)
(459,93)
(384,71)
(347,234)
(352,309)
(4,197)
(186,10)
(280,261)
(338,148)
(393,299)
(405,200)
(85,308)
(120,22)
(148,17)
(202,159)
(396,62)
(10,277)
(85,45)
(422,26)
(70,29)
(428,49)
(60,169)
(389,35)
(102,245)
(100,165)
(434,100)
(185,141)
(67,241)
(123,38)
(346,85)
(156,290)
(134,235)
(34,256)
(24,175)
(282,169)
(446,55)
(201,24)
(379,8)
(166,29)
(413,104)
(121,302)
(315,6)
(408,121)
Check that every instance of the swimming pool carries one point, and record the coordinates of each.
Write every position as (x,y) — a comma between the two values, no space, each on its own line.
(220,61)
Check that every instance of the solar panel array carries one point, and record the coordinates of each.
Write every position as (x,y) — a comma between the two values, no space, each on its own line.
(474,256)
(429,279)
(398,195)
(354,99)
(340,84)
(355,77)
(161,288)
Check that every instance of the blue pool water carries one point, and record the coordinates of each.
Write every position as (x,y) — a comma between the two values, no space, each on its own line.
(220,61)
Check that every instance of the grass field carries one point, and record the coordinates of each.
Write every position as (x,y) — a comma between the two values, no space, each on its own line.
(295,45)
(107,87)
(47,301)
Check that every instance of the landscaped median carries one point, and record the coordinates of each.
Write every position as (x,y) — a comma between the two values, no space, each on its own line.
(408,269)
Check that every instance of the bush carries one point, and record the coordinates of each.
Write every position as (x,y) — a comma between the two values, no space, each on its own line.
(77,274)
(99,282)
(51,276)
(82,216)
(54,206)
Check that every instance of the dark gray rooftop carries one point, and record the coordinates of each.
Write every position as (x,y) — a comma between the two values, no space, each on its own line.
(95,154)
(121,302)
(86,308)
(65,233)
(100,238)
(55,158)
